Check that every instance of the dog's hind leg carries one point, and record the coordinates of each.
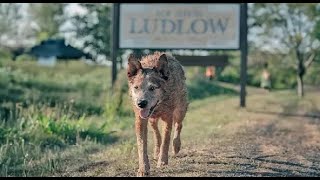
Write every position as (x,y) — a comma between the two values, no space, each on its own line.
(156,138)
(176,142)
(164,148)
(178,117)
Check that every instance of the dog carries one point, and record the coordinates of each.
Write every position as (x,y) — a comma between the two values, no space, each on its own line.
(158,91)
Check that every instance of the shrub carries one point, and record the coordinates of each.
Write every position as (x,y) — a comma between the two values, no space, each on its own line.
(25,57)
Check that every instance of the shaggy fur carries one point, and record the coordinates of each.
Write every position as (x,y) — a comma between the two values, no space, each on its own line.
(158,91)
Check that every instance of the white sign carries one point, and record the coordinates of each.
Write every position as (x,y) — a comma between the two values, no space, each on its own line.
(176,26)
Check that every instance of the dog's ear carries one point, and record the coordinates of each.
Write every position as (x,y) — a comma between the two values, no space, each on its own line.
(133,66)
(162,66)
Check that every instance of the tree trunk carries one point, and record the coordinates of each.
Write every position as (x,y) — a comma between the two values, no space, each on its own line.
(300,86)
(301,70)
(121,64)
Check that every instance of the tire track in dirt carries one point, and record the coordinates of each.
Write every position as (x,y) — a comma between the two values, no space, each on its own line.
(265,149)
(269,148)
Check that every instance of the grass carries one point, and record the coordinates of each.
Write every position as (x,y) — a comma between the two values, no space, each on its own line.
(31,85)
(66,120)
(45,112)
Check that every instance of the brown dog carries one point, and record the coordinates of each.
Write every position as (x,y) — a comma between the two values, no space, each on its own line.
(157,88)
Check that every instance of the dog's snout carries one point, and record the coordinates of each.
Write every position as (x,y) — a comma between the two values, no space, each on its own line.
(142,103)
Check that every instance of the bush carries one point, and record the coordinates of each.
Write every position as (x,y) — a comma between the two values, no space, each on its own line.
(229,74)
(200,88)
(25,57)
(282,75)
(312,76)
(5,55)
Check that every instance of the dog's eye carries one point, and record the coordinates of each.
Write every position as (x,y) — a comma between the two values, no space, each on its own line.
(136,87)
(151,88)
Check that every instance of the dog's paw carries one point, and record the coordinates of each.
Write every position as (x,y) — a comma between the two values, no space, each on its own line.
(162,164)
(155,156)
(142,173)
(176,146)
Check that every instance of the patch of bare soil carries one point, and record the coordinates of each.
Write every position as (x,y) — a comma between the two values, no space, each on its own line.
(271,145)
(279,147)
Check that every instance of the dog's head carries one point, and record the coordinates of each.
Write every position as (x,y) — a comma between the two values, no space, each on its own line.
(146,84)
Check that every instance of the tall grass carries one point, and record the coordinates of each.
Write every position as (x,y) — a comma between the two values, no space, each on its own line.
(46,112)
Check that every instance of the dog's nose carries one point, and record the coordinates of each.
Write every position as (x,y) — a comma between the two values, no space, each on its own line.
(142,103)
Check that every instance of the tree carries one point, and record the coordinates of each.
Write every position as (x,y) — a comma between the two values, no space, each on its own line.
(94,28)
(9,19)
(293,27)
(48,17)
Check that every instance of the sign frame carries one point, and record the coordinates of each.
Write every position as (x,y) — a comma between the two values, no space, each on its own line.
(243,45)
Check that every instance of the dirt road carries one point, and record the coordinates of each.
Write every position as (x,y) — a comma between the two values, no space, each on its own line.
(276,135)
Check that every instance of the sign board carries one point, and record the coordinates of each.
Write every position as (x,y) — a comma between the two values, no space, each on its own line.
(210,26)
(179,26)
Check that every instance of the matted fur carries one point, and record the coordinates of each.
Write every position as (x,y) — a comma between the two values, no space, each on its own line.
(159,80)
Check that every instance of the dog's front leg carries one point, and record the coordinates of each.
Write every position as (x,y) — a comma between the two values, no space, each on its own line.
(163,156)
(156,138)
(141,133)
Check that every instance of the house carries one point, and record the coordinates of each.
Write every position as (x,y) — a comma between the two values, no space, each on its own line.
(49,51)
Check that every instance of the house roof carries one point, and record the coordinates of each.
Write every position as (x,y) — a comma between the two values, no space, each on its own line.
(58,48)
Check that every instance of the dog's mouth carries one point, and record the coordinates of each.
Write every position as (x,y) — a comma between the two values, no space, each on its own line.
(146,113)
